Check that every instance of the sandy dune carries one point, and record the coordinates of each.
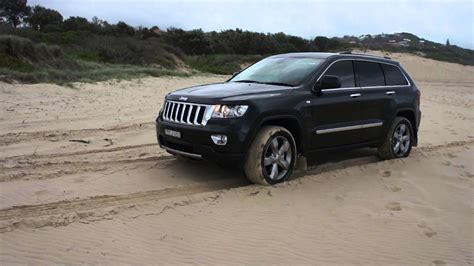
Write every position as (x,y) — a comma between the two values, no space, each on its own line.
(83,181)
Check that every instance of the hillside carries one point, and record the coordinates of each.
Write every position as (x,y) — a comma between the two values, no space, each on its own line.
(409,43)
(45,47)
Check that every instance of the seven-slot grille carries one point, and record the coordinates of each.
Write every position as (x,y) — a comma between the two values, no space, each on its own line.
(187,113)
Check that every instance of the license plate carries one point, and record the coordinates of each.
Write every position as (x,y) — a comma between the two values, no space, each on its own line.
(172,133)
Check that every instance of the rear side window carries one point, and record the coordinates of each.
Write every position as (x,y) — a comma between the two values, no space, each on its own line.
(393,75)
(369,74)
(345,71)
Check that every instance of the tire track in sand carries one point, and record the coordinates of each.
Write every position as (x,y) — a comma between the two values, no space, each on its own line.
(34,167)
(55,155)
(50,170)
(91,209)
(56,135)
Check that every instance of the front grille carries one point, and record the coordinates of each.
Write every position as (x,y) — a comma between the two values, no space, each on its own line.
(187,113)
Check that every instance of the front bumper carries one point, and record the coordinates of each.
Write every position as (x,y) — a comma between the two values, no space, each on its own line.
(195,142)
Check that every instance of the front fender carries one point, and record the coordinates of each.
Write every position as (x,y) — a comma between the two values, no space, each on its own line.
(279,119)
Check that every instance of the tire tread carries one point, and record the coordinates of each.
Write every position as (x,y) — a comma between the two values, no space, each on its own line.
(253,167)
(385,151)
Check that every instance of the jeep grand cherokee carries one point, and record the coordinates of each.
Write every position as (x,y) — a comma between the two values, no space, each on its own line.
(292,105)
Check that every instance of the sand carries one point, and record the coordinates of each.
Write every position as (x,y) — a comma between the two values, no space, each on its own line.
(82,180)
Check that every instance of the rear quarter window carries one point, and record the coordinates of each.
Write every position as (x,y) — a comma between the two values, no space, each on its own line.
(393,75)
(369,74)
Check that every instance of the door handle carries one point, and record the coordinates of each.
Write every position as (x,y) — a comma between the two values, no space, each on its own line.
(390,92)
(355,95)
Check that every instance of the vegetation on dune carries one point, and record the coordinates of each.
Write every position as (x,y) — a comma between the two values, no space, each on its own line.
(221,63)
(23,60)
(25,52)
(88,72)
(38,45)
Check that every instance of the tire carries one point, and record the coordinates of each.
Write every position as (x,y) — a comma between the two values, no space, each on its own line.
(259,166)
(405,139)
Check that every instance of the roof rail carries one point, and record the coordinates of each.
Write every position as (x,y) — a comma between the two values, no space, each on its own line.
(349,52)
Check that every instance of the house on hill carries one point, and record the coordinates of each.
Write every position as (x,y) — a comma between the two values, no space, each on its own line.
(156,30)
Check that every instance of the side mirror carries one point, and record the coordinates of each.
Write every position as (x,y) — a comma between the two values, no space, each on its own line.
(327,82)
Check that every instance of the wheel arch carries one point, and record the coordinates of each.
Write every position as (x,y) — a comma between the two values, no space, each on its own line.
(291,123)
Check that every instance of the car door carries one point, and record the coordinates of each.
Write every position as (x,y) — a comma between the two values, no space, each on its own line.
(336,111)
(380,84)
(371,80)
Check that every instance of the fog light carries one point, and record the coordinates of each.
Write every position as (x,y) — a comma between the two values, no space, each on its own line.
(219,139)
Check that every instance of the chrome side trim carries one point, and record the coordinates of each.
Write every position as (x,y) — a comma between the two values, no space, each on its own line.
(378,124)
(360,88)
(192,155)
(339,129)
(341,89)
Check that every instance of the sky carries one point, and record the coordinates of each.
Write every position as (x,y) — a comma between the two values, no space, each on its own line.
(434,20)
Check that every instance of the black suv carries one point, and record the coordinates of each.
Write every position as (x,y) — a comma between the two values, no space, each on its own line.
(292,105)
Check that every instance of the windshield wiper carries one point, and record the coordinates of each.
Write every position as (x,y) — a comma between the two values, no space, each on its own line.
(247,81)
(268,83)
(278,84)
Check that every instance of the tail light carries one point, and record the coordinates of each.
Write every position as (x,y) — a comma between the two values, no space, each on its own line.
(418,96)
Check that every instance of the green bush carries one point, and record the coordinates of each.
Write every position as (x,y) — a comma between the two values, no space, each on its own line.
(24,52)
(90,72)
(14,63)
(26,61)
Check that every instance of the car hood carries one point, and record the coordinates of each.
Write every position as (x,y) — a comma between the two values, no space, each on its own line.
(228,91)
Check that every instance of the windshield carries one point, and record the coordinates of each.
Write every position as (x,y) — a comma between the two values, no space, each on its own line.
(285,71)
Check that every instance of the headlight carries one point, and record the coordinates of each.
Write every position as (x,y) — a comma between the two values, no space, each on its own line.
(229,111)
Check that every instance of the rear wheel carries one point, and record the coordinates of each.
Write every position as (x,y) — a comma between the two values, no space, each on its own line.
(399,140)
(271,156)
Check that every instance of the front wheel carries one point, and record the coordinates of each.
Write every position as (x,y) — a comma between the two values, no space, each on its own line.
(271,156)
(399,140)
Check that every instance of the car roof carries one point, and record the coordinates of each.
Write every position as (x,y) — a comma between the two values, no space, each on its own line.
(346,55)
(307,54)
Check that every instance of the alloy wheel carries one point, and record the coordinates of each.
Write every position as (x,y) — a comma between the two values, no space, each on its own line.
(401,140)
(277,158)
